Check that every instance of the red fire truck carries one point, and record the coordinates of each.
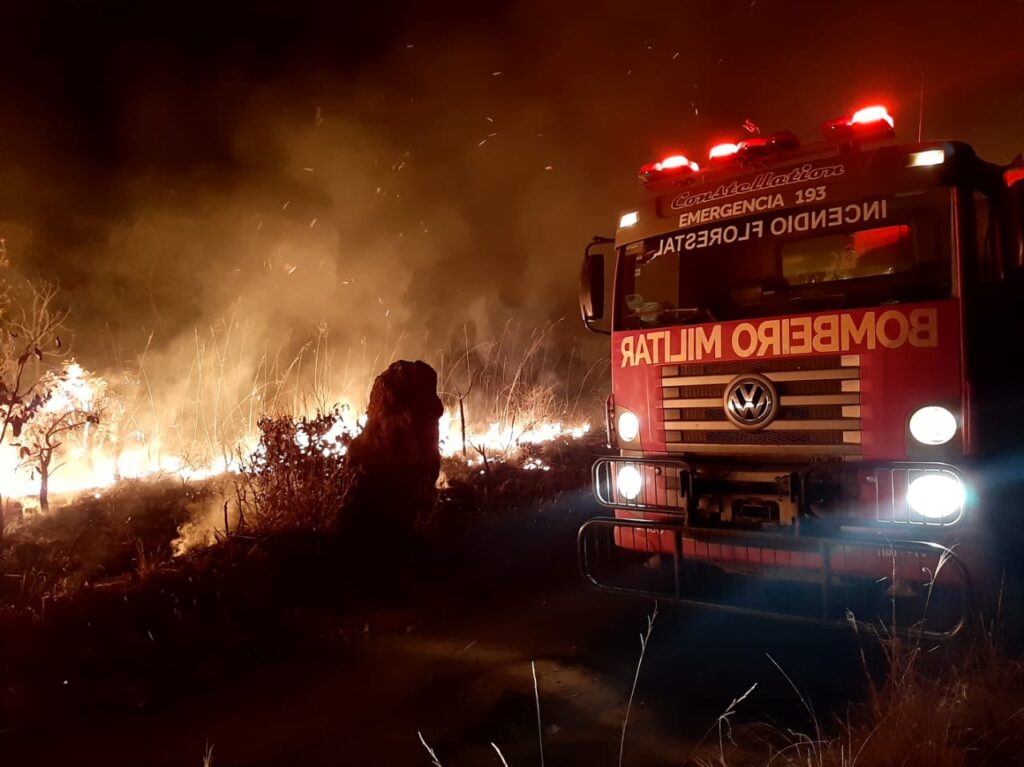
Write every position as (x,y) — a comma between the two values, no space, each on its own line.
(815,393)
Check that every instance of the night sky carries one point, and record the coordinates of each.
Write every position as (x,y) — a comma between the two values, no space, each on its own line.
(408,167)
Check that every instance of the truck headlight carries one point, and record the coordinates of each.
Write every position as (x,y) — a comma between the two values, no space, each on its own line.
(936,496)
(932,425)
(628,426)
(629,482)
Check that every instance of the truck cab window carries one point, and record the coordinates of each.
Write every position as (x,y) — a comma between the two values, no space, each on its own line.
(864,253)
(655,287)
(763,266)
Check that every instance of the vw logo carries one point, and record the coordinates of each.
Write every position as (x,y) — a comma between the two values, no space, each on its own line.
(751,402)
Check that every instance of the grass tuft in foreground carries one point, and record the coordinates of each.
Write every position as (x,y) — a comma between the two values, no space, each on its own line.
(946,706)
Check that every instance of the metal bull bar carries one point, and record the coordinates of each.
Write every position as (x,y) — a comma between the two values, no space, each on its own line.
(897,585)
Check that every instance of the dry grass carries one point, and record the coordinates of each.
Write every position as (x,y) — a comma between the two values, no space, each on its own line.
(199,406)
(146,564)
(957,706)
(123,534)
(644,639)
(519,379)
(946,706)
(218,389)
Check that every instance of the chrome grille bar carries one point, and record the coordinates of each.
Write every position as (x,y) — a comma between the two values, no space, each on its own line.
(819,406)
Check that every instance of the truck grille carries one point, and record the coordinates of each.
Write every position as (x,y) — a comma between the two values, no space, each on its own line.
(819,407)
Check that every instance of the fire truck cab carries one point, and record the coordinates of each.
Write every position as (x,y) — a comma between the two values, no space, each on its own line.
(814,366)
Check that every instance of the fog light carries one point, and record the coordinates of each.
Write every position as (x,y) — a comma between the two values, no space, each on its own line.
(932,425)
(628,426)
(936,496)
(628,482)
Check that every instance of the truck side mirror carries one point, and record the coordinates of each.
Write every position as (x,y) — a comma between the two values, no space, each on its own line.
(1017,201)
(592,286)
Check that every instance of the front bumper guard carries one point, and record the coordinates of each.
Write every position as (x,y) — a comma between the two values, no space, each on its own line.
(896,586)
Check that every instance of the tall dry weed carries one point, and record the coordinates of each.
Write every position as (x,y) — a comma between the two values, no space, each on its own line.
(954,705)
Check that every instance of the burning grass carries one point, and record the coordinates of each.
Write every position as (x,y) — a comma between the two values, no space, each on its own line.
(283,471)
(524,387)
(291,483)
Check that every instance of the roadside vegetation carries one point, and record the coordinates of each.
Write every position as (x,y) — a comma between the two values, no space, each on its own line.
(926,706)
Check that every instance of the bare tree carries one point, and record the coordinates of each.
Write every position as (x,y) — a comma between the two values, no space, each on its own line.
(30,345)
(72,402)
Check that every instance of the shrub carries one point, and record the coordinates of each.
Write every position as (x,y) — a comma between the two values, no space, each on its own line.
(294,478)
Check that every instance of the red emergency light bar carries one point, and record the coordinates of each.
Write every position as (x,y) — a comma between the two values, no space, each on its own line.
(773,142)
(742,151)
(872,122)
(723,151)
(671,167)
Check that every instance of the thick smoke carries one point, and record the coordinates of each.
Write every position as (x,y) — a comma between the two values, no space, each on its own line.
(217,190)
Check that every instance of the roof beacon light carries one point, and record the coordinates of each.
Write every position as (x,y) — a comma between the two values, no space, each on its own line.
(723,151)
(865,124)
(670,167)
(869,115)
(675,161)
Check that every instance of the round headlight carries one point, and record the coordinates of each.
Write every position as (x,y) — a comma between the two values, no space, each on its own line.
(629,482)
(933,425)
(628,426)
(936,495)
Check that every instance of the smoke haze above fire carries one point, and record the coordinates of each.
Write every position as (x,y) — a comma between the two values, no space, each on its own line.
(401,169)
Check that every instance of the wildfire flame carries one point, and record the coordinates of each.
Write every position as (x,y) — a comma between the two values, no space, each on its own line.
(88,465)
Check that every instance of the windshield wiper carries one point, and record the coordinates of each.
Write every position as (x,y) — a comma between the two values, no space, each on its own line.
(819,297)
(690,313)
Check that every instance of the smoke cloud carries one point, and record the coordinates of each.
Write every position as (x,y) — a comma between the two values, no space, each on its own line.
(233,183)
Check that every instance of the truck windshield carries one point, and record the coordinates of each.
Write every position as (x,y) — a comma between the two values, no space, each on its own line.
(809,259)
